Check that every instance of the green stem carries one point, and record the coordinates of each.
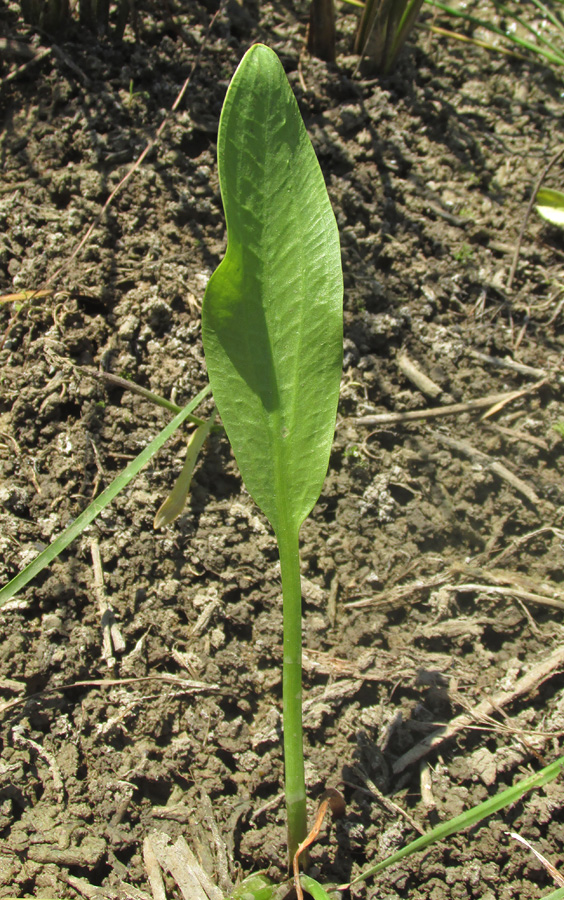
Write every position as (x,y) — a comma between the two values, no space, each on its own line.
(294,777)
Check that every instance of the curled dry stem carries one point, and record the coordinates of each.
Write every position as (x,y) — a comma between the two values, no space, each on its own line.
(330,799)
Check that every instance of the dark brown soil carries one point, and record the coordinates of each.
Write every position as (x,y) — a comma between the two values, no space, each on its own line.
(428,568)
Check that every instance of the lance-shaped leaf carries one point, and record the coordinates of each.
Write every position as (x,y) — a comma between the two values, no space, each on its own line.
(272,312)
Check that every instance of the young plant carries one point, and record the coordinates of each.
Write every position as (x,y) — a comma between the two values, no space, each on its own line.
(528,42)
(55,15)
(384,28)
(272,328)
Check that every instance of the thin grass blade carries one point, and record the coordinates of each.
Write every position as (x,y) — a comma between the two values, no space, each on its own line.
(554,56)
(95,508)
(468,818)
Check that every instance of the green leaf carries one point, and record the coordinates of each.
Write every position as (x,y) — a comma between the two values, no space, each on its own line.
(550,205)
(272,311)
(176,500)
(555,895)
(314,888)
(254,887)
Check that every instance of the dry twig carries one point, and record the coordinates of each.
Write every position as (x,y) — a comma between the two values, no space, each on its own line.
(393,808)
(513,366)
(498,468)
(519,542)
(421,381)
(112,640)
(153,869)
(19,70)
(529,682)
(526,596)
(183,684)
(454,409)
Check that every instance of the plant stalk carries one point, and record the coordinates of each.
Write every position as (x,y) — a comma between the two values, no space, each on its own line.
(294,776)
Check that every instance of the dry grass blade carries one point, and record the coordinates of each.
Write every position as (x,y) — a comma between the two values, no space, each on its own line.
(330,799)
(178,859)
(498,468)
(184,684)
(454,409)
(554,873)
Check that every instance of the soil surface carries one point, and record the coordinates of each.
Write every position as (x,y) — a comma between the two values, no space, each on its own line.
(433,562)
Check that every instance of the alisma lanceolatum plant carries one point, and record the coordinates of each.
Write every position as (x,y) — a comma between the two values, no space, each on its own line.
(272,332)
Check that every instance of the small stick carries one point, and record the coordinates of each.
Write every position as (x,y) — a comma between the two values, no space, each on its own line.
(154,872)
(183,684)
(538,183)
(526,596)
(426,787)
(81,886)
(387,802)
(418,378)
(24,66)
(222,862)
(527,683)
(266,807)
(332,601)
(453,409)
(525,538)
(68,61)
(19,738)
(494,465)
(112,639)
(514,435)
(508,363)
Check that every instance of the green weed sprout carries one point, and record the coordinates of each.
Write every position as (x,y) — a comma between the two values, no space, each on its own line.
(272,328)
(384,28)
(258,887)
(55,15)
(544,47)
